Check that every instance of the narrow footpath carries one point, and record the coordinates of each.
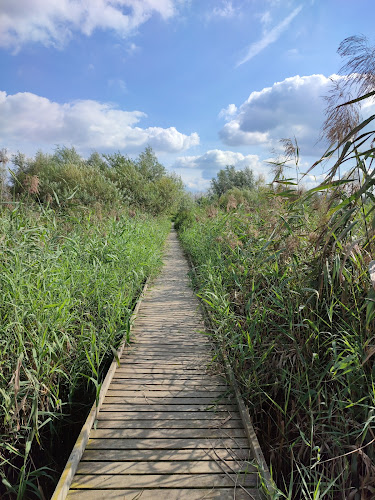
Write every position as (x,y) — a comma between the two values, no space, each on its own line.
(169,426)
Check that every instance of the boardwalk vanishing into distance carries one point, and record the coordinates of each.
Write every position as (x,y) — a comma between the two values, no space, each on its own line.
(169,427)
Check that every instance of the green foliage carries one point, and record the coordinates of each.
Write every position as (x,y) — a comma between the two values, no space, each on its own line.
(229,178)
(68,282)
(65,178)
(185,214)
(144,183)
(148,166)
(62,177)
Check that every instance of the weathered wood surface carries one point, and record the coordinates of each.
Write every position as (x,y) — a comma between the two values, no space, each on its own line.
(214,493)
(169,427)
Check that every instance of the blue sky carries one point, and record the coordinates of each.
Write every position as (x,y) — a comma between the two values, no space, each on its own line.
(206,83)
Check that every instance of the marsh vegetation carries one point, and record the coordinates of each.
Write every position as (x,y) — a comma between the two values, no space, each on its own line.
(78,240)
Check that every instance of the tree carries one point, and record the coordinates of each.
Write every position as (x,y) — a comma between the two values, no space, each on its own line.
(229,178)
(65,156)
(149,166)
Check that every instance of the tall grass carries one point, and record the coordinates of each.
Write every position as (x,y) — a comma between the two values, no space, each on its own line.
(288,289)
(68,282)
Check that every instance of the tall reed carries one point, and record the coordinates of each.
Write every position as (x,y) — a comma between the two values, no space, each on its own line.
(68,282)
(289,291)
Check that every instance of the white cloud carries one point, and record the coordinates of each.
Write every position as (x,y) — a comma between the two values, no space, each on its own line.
(293,107)
(193,179)
(209,163)
(265,18)
(26,118)
(229,111)
(226,10)
(310,181)
(269,37)
(53,22)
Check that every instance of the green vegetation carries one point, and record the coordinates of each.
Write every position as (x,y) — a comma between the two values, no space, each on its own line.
(285,277)
(288,289)
(65,178)
(74,256)
(230,178)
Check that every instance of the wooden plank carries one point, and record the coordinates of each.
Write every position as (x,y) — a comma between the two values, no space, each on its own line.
(167,363)
(171,400)
(172,494)
(157,374)
(168,350)
(158,341)
(169,372)
(183,347)
(166,376)
(163,335)
(176,467)
(170,363)
(171,378)
(154,345)
(144,333)
(167,326)
(166,321)
(167,415)
(174,345)
(132,385)
(171,346)
(187,371)
(176,342)
(187,353)
(158,407)
(97,455)
(112,481)
(192,356)
(121,423)
(214,433)
(167,385)
(165,444)
(173,366)
(183,392)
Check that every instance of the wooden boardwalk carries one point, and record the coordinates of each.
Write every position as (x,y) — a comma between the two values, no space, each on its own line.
(168,428)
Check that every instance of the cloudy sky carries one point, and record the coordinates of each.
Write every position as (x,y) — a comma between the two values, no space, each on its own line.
(206,83)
